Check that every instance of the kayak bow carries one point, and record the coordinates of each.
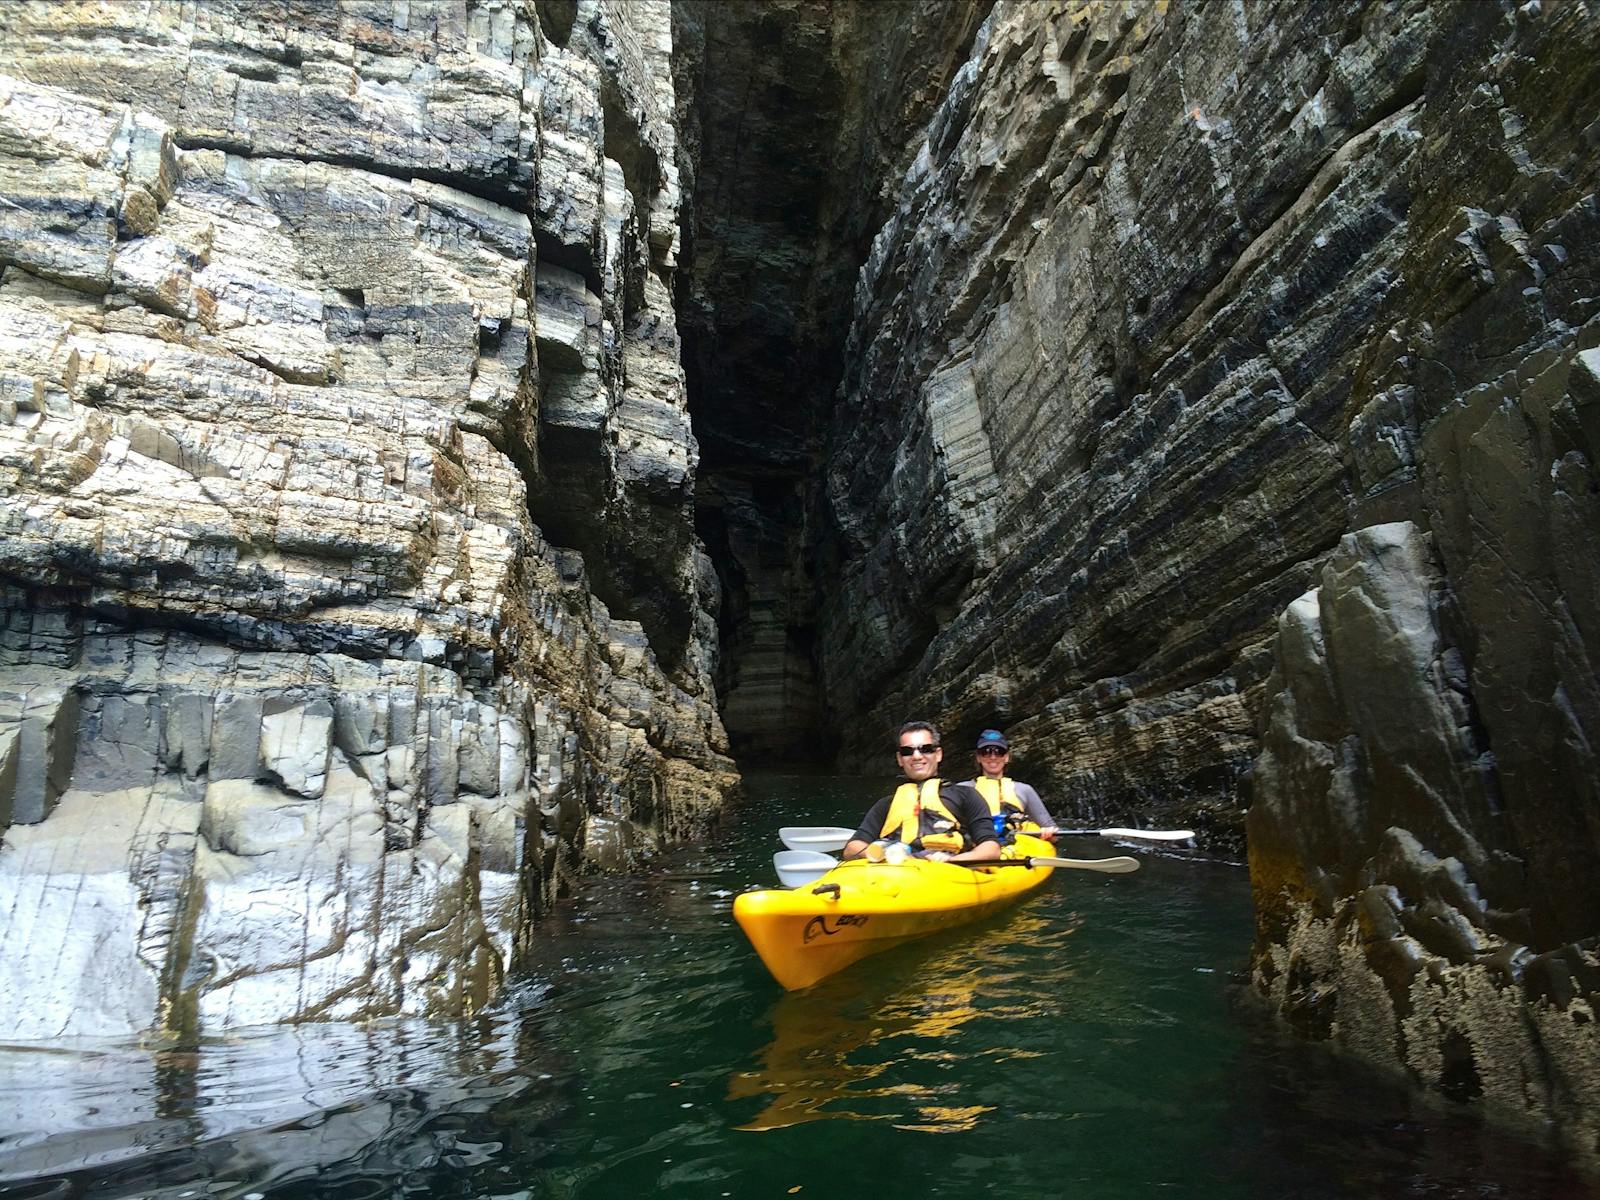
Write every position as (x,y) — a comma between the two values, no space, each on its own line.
(861,908)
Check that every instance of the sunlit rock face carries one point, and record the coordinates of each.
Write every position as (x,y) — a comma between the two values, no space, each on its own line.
(351,595)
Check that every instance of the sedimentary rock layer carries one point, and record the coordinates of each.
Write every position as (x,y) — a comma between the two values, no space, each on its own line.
(1121,373)
(351,598)
(1184,309)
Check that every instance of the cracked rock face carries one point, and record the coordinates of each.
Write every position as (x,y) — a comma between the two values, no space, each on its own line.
(1185,312)
(1407,905)
(319,327)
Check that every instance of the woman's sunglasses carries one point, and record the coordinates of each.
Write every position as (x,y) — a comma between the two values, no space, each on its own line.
(992,752)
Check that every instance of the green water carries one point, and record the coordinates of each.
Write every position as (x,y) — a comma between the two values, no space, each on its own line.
(1093,1042)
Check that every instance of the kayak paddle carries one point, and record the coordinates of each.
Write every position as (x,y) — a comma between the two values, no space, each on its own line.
(815,837)
(835,837)
(1106,866)
(1135,835)
(796,868)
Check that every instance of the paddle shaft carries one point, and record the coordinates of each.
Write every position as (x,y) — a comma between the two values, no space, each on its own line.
(836,837)
(1106,866)
(1149,835)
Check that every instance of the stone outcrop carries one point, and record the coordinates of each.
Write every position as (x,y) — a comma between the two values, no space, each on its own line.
(351,593)
(1421,898)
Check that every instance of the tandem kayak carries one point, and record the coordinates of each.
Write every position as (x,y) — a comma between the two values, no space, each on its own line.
(859,908)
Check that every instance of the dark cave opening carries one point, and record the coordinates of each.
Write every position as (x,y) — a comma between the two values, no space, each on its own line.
(795,122)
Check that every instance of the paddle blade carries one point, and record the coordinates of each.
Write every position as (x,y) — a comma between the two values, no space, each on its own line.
(1148,835)
(1106,866)
(796,868)
(815,837)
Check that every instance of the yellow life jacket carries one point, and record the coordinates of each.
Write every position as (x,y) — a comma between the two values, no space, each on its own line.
(998,792)
(921,819)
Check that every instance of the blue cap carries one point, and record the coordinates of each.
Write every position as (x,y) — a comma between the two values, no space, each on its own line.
(993,737)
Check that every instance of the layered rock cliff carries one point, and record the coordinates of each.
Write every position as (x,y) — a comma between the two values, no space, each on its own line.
(1186,312)
(1217,389)
(351,593)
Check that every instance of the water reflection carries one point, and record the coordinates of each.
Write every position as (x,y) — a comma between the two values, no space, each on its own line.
(837,1049)
(265,1108)
(1086,1038)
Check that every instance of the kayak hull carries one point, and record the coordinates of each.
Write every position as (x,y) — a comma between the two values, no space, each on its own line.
(806,934)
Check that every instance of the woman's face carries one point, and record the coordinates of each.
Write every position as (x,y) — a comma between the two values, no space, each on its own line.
(993,761)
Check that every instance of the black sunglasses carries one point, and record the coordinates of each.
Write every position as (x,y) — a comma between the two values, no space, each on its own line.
(908,751)
(992,752)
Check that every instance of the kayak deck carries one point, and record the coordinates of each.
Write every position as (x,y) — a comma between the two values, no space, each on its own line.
(860,908)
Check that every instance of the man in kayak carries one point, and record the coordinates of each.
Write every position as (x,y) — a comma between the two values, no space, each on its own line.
(1004,795)
(945,822)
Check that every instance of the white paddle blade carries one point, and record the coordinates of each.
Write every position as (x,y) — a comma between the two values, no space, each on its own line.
(796,868)
(815,837)
(1106,866)
(1149,835)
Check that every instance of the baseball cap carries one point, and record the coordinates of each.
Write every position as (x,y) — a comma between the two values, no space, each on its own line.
(993,737)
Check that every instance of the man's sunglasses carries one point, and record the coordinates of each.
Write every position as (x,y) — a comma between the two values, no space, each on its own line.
(908,751)
(992,752)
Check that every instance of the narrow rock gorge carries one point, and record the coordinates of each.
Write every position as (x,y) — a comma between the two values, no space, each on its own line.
(435,436)
(1215,413)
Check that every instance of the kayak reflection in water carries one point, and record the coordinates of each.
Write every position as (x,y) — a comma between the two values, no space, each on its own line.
(945,822)
(1005,797)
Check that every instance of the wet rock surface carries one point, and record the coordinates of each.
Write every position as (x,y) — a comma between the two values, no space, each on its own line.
(1406,906)
(317,326)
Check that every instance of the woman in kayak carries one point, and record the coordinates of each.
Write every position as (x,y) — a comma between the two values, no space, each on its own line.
(1003,795)
(945,822)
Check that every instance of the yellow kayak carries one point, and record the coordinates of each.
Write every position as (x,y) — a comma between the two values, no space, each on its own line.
(859,908)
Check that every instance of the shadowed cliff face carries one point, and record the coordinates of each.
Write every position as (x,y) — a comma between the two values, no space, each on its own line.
(1219,384)
(796,119)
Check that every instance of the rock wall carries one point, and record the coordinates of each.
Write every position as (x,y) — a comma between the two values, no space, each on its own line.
(1411,904)
(1184,309)
(1121,375)
(351,599)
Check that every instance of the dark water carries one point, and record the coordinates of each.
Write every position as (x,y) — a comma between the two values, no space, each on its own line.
(1094,1042)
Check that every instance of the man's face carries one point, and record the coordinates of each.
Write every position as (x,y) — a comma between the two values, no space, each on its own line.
(924,764)
(993,760)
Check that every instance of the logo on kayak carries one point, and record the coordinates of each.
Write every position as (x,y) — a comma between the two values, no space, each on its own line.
(819,925)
